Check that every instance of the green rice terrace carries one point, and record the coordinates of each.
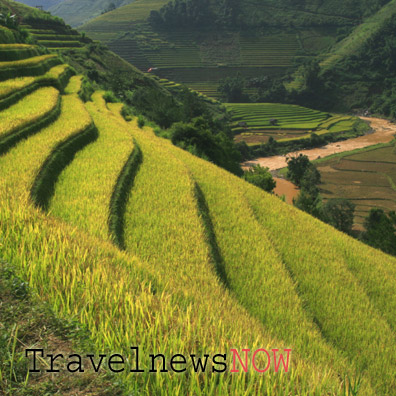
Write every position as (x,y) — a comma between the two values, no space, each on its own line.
(255,123)
(58,39)
(138,242)
(200,58)
(367,178)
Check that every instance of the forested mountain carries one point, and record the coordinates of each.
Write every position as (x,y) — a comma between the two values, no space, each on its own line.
(46,4)
(257,13)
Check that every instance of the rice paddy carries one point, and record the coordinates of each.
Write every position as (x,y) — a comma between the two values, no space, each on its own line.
(255,123)
(209,262)
(367,179)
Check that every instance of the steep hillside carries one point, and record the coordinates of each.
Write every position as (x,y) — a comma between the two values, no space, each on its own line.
(143,244)
(77,12)
(46,4)
(200,43)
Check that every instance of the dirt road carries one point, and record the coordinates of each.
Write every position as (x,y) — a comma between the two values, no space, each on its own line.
(384,132)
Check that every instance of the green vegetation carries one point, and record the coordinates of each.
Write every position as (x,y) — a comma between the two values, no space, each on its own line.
(260,177)
(381,230)
(26,322)
(76,12)
(339,213)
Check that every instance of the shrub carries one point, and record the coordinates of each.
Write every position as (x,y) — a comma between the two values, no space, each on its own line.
(141,121)
(109,97)
(260,177)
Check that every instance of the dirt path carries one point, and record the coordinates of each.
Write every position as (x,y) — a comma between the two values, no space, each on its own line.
(384,132)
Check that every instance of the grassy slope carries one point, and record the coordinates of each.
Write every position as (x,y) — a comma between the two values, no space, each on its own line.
(351,44)
(45,3)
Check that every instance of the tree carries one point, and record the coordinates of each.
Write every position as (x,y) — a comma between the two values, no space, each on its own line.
(311,178)
(305,175)
(260,177)
(339,213)
(296,168)
(199,138)
(231,89)
(381,230)
(309,201)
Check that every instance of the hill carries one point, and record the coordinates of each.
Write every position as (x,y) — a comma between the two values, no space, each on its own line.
(253,38)
(78,12)
(142,244)
(46,4)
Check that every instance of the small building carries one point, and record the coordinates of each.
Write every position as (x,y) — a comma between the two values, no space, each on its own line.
(273,121)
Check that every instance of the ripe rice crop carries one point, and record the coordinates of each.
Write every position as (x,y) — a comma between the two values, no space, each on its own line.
(22,163)
(367,178)
(83,192)
(34,66)
(351,318)
(8,87)
(26,62)
(151,234)
(123,301)
(28,110)
(74,85)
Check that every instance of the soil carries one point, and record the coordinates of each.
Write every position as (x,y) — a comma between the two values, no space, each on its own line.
(384,132)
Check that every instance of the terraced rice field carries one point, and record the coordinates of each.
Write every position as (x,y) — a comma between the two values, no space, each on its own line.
(65,39)
(207,262)
(269,51)
(368,179)
(255,123)
(195,58)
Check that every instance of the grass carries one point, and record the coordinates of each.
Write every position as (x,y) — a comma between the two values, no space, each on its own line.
(28,323)
(351,44)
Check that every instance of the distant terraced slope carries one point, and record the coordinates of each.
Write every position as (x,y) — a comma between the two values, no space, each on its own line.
(263,39)
(77,12)
(201,57)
